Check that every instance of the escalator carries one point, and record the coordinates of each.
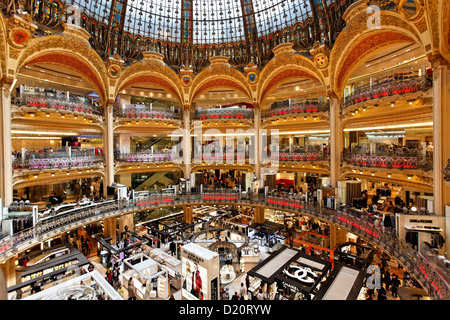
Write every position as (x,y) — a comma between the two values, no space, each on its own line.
(147,144)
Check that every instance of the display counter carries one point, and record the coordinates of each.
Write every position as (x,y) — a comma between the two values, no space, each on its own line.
(250,257)
(227,274)
(169,263)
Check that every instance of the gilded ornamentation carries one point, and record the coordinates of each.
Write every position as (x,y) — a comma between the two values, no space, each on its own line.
(421,25)
(286,59)
(446,171)
(220,74)
(154,68)
(320,55)
(69,51)
(369,44)
(6,83)
(19,37)
(355,30)
(14,53)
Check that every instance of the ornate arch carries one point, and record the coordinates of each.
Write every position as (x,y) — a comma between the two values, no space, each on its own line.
(71,51)
(286,65)
(358,41)
(151,71)
(219,75)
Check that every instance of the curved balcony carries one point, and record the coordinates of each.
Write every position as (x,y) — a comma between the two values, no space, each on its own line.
(143,112)
(389,160)
(137,157)
(288,108)
(389,87)
(58,160)
(215,114)
(50,103)
(426,273)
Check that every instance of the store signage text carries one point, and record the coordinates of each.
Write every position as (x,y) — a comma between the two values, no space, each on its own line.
(420,221)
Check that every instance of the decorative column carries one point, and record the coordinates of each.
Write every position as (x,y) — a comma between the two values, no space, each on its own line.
(336,139)
(6,172)
(187,214)
(109,229)
(259,215)
(187,150)
(108,143)
(8,268)
(441,132)
(257,147)
(337,236)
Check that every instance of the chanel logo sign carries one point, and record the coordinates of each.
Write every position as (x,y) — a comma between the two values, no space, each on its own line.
(300,273)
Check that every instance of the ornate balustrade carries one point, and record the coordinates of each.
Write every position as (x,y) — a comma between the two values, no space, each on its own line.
(146,112)
(425,273)
(223,114)
(388,88)
(284,108)
(390,161)
(301,156)
(57,160)
(51,103)
(144,157)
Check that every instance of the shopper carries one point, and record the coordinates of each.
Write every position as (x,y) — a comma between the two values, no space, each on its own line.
(395,285)
(235,296)
(226,295)
(260,295)
(242,290)
(131,290)
(247,282)
(381,294)
(368,295)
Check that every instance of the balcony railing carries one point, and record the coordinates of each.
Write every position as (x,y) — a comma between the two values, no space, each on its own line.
(434,281)
(390,161)
(57,160)
(285,108)
(52,103)
(146,112)
(301,156)
(223,114)
(388,88)
(144,157)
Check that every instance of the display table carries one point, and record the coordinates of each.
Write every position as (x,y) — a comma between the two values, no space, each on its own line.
(249,258)
(227,274)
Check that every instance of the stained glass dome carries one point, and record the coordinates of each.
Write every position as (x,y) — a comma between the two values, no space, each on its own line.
(188,32)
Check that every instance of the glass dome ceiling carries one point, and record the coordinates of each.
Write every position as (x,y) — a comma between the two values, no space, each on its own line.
(208,21)
(189,32)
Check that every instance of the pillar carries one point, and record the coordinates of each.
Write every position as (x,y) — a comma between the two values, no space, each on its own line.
(337,236)
(187,214)
(441,132)
(109,229)
(108,143)
(258,142)
(336,140)
(259,215)
(8,268)
(126,220)
(3,287)
(6,172)
(187,150)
